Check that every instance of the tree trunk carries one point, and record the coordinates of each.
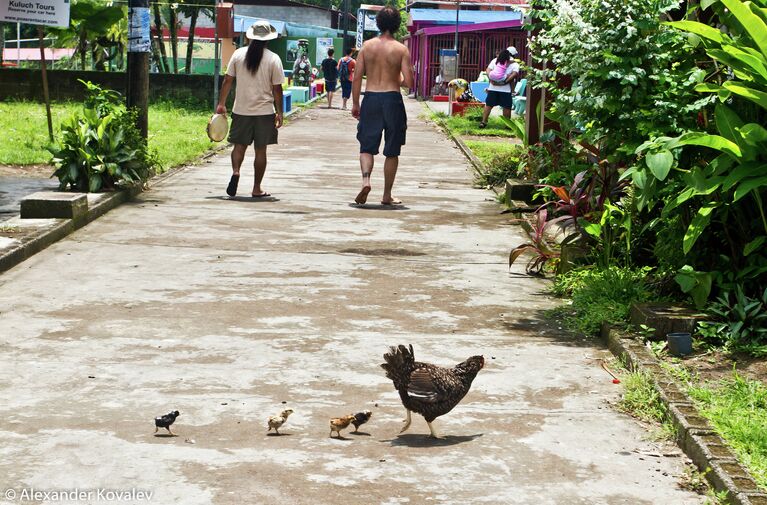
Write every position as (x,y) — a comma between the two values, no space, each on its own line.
(160,42)
(2,41)
(83,49)
(190,40)
(156,54)
(173,27)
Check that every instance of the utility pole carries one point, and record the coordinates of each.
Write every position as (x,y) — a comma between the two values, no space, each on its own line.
(455,45)
(139,46)
(346,25)
(46,96)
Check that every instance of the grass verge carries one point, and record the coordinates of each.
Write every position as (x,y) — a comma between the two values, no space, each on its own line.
(641,400)
(176,133)
(468,124)
(737,409)
(599,295)
(501,160)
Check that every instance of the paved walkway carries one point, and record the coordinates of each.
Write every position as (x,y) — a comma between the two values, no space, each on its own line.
(230,311)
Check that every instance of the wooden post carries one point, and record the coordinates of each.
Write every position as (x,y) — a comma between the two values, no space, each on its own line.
(536,99)
(46,96)
(139,47)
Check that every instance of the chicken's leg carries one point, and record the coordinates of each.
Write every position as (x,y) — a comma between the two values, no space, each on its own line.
(407,422)
(171,433)
(155,429)
(434,433)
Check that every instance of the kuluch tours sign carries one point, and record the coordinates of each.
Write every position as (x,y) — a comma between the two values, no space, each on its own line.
(36,12)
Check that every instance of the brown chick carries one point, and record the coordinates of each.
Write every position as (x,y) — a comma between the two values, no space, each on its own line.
(340,423)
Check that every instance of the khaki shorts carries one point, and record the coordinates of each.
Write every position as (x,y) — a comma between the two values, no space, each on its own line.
(257,130)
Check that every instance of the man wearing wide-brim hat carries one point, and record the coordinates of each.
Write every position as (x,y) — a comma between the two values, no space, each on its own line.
(257,111)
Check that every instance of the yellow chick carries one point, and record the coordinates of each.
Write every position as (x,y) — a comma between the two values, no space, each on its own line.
(277,421)
(340,423)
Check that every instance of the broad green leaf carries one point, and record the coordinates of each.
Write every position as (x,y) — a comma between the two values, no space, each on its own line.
(727,122)
(754,133)
(754,245)
(752,23)
(707,87)
(705,31)
(639,179)
(705,140)
(698,225)
(678,200)
(741,172)
(756,96)
(686,278)
(745,66)
(593,229)
(749,185)
(660,163)
(705,4)
(94,183)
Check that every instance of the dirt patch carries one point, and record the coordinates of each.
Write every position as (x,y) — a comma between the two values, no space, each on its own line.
(716,365)
(37,171)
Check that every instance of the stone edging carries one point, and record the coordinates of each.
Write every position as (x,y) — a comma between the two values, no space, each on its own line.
(35,242)
(695,436)
(476,163)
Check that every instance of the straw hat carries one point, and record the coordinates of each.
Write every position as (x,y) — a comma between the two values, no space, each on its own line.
(262,30)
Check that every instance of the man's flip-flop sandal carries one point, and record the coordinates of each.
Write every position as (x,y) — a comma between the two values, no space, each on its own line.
(231,189)
(262,195)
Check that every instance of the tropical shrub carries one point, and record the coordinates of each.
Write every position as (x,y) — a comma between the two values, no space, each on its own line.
(739,322)
(601,295)
(101,148)
(627,83)
(715,183)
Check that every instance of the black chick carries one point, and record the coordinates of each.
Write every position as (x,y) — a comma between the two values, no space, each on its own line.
(165,421)
(427,389)
(361,418)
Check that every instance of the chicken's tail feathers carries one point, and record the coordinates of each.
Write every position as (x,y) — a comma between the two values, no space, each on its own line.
(400,362)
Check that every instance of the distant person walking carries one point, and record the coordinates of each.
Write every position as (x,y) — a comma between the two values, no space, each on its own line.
(503,71)
(257,111)
(330,73)
(386,63)
(346,75)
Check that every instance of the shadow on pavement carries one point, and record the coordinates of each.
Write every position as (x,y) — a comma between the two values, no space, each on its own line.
(244,198)
(378,206)
(426,440)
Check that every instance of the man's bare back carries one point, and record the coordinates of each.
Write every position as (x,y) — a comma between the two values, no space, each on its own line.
(386,63)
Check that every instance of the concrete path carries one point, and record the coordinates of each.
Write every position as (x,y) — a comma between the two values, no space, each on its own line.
(230,311)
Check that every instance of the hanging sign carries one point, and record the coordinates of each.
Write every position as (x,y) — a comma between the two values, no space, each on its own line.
(139,40)
(36,12)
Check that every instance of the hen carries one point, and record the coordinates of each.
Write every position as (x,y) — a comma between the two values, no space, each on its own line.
(166,421)
(426,389)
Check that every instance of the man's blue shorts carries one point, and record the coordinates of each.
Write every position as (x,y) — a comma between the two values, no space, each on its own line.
(382,113)
(330,86)
(346,88)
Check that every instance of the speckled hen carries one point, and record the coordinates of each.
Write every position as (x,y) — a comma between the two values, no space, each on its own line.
(427,389)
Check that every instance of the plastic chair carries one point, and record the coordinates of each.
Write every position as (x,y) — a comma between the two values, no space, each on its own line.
(519,100)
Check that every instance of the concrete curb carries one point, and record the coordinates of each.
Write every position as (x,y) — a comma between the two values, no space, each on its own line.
(47,235)
(476,163)
(695,436)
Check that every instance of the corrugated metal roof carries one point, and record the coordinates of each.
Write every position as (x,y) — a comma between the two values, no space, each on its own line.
(447,16)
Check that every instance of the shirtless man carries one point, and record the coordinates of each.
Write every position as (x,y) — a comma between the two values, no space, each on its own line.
(386,63)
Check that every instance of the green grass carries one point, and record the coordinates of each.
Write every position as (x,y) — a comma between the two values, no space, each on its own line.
(599,295)
(737,408)
(176,133)
(641,400)
(501,159)
(468,124)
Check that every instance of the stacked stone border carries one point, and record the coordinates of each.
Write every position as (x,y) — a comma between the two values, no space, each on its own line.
(695,436)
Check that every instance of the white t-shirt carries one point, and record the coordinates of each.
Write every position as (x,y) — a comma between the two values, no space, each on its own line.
(253,92)
(506,88)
